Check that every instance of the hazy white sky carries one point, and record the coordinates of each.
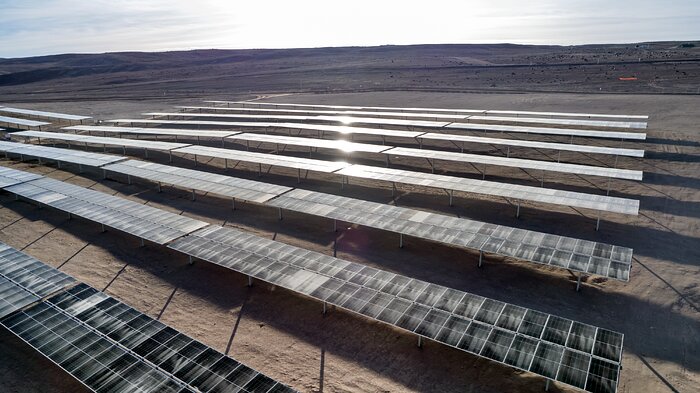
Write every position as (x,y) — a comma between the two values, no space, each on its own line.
(37,27)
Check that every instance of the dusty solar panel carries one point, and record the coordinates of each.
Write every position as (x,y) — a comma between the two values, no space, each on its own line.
(377,108)
(154,131)
(9,176)
(53,115)
(534,144)
(564,114)
(577,169)
(571,352)
(58,154)
(344,146)
(448,110)
(228,115)
(264,158)
(99,140)
(13,297)
(111,347)
(484,187)
(557,251)
(348,130)
(372,120)
(22,122)
(145,222)
(561,122)
(549,131)
(24,280)
(309,112)
(242,189)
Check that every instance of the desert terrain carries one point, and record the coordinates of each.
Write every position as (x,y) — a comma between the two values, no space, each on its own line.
(285,335)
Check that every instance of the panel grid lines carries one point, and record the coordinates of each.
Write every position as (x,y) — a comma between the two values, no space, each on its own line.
(306,272)
(459,232)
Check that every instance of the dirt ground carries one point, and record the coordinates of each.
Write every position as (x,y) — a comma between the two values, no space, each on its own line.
(287,337)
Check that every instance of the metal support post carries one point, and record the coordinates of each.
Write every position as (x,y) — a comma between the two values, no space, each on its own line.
(481,257)
(142,242)
(250,281)
(128,179)
(420,341)
(103,228)
(279,213)
(517,211)
(451,192)
(233,203)
(597,222)
(400,240)
(335,225)
(578,283)
(160,188)
(324,308)
(191,260)
(194,196)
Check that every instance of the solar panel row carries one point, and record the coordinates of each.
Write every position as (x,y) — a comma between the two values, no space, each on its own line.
(574,353)
(553,250)
(50,115)
(438,110)
(16,122)
(107,345)
(136,219)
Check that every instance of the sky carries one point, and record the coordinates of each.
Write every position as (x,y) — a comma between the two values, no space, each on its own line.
(40,27)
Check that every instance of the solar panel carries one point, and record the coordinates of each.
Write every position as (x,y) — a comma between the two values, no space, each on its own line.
(50,115)
(10,177)
(513,191)
(469,111)
(281,125)
(242,189)
(339,119)
(564,114)
(99,140)
(522,338)
(344,146)
(111,347)
(24,280)
(371,120)
(13,121)
(557,251)
(563,122)
(549,131)
(58,155)
(533,144)
(347,130)
(228,115)
(13,297)
(264,159)
(517,163)
(307,112)
(154,131)
(145,222)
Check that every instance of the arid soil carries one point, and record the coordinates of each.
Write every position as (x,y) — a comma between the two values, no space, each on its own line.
(287,337)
